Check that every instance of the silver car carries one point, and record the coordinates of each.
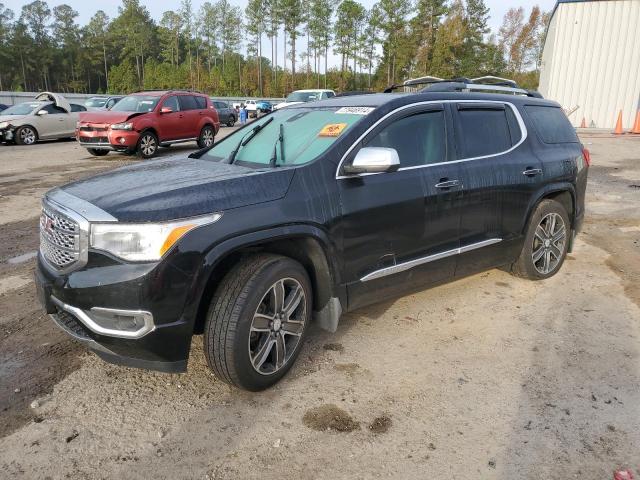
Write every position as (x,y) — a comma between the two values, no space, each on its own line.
(50,116)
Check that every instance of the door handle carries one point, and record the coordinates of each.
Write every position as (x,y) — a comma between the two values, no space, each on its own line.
(444,183)
(532,172)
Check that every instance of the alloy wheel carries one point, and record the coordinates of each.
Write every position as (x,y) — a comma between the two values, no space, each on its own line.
(548,243)
(27,136)
(277,326)
(207,137)
(148,145)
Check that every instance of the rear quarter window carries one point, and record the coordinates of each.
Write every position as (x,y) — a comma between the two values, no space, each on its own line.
(201,102)
(551,124)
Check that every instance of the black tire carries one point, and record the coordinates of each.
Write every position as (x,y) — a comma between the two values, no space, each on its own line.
(96,152)
(538,239)
(147,145)
(232,121)
(26,135)
(206,137)
(229,343)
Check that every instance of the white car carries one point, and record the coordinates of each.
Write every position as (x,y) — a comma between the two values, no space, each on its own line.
(252,108)
(49,116)
(303,96)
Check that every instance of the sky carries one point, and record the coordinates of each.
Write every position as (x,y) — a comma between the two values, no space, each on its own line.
(86,10)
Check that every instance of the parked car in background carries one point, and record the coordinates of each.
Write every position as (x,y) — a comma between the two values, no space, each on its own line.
(3,107)
(50,116)
(228,115)
(144,121)
(264,106)
(102,102)
(312,211)
(304,96)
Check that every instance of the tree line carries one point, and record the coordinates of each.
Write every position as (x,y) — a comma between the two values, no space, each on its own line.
(219,48)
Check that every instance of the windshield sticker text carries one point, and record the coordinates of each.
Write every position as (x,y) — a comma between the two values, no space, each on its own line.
(356,110)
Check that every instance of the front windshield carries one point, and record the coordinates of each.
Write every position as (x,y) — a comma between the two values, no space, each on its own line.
(136,103)
(303,96)
(95,102)
(307,132)
(21,109)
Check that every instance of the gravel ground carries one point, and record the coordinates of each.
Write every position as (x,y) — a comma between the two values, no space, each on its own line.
(488,377)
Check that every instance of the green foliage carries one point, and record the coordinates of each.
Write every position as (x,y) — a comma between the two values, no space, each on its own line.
(219,48)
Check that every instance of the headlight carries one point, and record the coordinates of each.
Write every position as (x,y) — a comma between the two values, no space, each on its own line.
(122,126)
(138,242)
(4,124)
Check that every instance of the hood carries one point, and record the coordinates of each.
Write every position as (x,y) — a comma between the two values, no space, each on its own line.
(179,187)
(56,98)
(286,104)
(11,118)
(107,116)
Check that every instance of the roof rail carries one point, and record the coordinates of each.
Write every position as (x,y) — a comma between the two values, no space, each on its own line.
(487,83)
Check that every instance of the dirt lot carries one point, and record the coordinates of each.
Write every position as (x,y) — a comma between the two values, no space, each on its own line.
(489,377)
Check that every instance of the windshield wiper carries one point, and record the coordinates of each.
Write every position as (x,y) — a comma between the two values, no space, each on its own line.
(246,139)
(280,140)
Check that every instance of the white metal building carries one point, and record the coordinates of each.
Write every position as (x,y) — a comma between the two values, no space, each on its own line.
(591,60)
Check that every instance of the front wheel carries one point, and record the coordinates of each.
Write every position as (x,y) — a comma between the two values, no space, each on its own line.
(206,137)
(546,242)
(147,145)
(97,153)
(26,136)
(257,321)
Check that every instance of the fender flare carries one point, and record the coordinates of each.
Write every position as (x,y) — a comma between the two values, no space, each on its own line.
(550,189)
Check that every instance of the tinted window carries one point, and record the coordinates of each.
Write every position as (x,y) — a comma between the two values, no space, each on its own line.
(77,108)
(187,102)
(419,139)
(172,103)
(330,94)
(201,102)
(111,102)
(483,131)
(552,124)
(53,109)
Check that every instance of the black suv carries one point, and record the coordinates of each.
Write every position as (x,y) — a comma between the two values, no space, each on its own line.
(304,214)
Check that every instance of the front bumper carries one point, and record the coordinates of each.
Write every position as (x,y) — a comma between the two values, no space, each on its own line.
(157,295)
(108,139)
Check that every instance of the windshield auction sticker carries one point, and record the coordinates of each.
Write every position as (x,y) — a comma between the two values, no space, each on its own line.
(332,130)
(356,110)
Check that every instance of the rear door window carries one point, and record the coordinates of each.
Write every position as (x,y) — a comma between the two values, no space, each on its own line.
(419,139)
(484,130)
(551,124)
(188,102)
(77,108)
(201,102)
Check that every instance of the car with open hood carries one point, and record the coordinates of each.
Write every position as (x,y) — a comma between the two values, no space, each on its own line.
(48,117)
(144,121)
(308,212)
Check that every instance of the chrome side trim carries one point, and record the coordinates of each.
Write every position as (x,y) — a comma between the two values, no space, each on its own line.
(83,317)
(521,124)
(401,267)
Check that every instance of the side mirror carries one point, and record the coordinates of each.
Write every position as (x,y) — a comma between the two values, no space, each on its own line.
(42,112)
(166,110)
(374,160)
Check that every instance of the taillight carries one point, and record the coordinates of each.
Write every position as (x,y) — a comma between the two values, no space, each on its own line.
(587,156)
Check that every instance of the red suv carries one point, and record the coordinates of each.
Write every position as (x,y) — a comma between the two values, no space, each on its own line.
(144,121)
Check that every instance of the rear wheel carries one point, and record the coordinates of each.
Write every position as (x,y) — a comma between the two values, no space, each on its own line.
(147,145)
(26,135)
(546,242)
(206,138)
(97,153)
(257,321)
(232,121)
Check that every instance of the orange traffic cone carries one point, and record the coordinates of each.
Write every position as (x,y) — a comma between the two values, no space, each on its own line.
(636,125)
(618,130)
(584,123)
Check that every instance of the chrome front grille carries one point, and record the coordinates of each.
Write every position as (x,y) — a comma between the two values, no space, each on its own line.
(59,238)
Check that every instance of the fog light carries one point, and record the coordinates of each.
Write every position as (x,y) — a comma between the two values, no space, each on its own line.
(121,320)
